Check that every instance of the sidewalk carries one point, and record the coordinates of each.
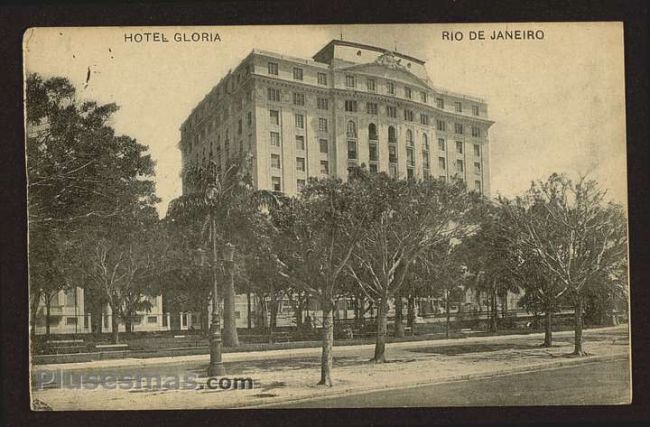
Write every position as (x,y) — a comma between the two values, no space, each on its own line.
(280,379)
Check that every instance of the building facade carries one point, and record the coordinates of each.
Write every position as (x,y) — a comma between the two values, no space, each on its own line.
(350,104)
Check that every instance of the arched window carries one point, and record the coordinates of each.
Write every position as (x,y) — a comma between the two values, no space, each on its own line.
(409,137)
(352,129)
(392,137)
(372,131)
(425,142)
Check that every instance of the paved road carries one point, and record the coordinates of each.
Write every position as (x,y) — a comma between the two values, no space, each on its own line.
(591,383)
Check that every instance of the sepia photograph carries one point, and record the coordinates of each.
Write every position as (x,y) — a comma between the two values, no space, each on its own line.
(327,216)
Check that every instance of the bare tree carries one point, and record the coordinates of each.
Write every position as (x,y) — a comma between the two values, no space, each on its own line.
(412,218)
(572,234)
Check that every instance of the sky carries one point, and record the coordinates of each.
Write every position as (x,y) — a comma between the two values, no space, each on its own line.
(558,103)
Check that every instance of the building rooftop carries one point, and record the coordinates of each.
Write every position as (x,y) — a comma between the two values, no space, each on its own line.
(365,46)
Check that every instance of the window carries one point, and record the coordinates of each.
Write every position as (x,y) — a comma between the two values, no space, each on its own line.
(459,147)
(273,94)
(300,164)
(410,157)
(349,81)
(373,167)
(443,178)
(370,84)
(408,115)
(351,130)
(70,299)
(460,167)
(477,150)
(249,118)
(322,103)
(441,125)
(407,92)
(423,97)
(424,119)
(300,184)
(352,150)
(300,121)
(373,154)
(391,111)
(239,127)
(458,128)
(372,131)
(441,144)
(409,137)
(324,146)
(392,154)
(425,159)
(441,163)
(410,173)
(152,319)
(322,124)
(392,136)
(70,320)
(392,170)
(276,183)
(477,185)
(425,142)
(324,167)
(390,88)
(458,106)
(440,103)
(477,168)
(371,108)
(297,73)
(476,132)
(475,110)
(275,139)
(275,161)
(351,106)
(275,117)
(322,79)
(300,142)
(298,98)
(273,68)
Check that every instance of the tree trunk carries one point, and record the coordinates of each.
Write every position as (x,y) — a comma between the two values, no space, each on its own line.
(48,306)
(493,310)
(298,313)
(230,337)
(115,338)
(328,342)
(548,329)
(382,322)
(410,312)
(447,313)
(399,326)
(578,328)
(248,317)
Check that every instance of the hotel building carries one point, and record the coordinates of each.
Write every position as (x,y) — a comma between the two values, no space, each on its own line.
(350,104)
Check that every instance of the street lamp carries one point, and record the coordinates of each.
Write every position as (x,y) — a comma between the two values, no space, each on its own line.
(215,368)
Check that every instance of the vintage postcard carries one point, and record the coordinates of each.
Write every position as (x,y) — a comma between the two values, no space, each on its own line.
(327,216)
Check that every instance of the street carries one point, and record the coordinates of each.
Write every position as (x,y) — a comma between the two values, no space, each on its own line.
(591,383)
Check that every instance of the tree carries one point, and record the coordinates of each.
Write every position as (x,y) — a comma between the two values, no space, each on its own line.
(317,233)
(226,207)
(573,235)
(440,270)
(80,176)
(411,218)
(491,260)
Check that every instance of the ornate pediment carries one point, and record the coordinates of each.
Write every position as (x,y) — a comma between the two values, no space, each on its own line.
(389,66)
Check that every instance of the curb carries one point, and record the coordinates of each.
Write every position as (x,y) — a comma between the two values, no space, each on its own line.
(457,378)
